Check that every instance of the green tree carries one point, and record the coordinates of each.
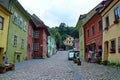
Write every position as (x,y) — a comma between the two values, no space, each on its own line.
(62,32)
(57,36)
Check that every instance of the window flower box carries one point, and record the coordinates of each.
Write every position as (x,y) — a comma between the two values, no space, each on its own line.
(116,21)
(119,49)
(112,50)
(106,28)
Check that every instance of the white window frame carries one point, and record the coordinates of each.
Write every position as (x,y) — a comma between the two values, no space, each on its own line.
(36,34)
(35,46)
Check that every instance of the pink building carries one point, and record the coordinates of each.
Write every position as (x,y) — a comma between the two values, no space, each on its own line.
(38,39)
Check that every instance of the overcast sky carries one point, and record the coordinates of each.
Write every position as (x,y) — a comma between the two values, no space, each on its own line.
(53,12)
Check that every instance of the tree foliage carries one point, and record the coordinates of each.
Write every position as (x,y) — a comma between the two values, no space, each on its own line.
(62,32)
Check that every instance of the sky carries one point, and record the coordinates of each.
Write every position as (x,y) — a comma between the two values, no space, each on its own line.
(54,12)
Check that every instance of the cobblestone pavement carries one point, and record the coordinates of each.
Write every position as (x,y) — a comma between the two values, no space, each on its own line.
(58,67)
(53,68)
(93,71)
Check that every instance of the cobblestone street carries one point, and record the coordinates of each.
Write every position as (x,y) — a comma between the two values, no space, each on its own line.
(53,68)
(58,67)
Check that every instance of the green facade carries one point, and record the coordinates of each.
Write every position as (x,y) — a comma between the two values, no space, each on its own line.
(51,46)
(17,35)
(81,38)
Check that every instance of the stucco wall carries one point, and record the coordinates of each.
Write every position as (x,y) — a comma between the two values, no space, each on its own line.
(111,33)
(4,32)
(21,34)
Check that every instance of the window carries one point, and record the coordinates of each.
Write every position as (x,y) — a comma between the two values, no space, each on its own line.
(15,17)
(88,33)
(93,30)
(21,22)
(35,46)
(113,46)
(100,25)
(36,34)
(15,41)
(25,26)
(28,48)
(117,13)
(22,43)
(1,23)
(107,21)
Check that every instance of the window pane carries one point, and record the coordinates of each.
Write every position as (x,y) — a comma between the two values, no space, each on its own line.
(100,25)
(0,25)
(15,41)
(107,21)
(117,13)
(93,31)
(1,19)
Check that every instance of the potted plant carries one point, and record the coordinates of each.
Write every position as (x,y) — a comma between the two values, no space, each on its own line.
(75,60)
(112,50)
(2,68)
(78,61)
(10,66)
(105,62)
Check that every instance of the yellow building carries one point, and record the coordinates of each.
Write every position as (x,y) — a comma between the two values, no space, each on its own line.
(69,41)
(4,21)
(111,32)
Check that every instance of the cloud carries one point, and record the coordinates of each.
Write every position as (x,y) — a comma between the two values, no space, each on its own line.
(53,12)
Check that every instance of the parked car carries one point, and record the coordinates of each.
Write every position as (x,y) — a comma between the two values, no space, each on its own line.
(70,55)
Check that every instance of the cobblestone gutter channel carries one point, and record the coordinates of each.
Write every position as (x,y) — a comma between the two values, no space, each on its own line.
(74,72)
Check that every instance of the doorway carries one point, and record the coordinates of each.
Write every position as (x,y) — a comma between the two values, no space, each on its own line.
(105,56)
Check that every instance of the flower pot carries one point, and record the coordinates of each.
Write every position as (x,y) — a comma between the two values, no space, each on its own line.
(79,63)
(116,21)
(2,69)
(10,66)
(106,28)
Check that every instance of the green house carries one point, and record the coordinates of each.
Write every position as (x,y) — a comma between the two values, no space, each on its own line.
(51,46)
(17,34)
(81,34)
